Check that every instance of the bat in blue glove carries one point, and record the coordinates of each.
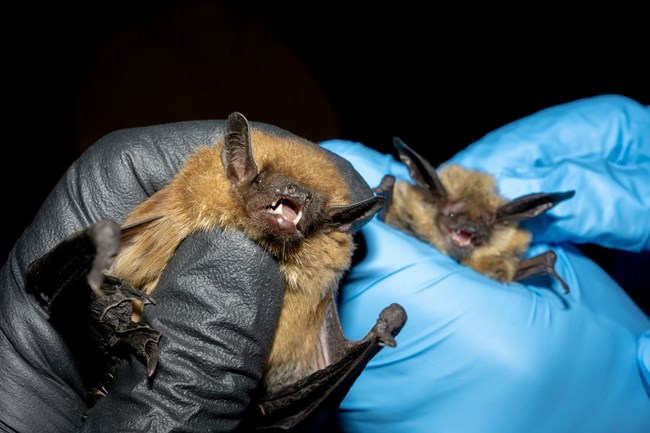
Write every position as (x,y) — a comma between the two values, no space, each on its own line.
(481,356)
(461,213)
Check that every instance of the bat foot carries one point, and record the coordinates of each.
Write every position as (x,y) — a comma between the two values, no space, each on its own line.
(110,331)
(542,264)
(390,323)
(325,388)
(90,310)
(115,310)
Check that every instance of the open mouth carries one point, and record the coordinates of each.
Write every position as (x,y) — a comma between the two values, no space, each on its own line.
(286,212)
(461,238)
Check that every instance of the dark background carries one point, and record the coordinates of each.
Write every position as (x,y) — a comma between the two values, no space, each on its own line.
(438,78)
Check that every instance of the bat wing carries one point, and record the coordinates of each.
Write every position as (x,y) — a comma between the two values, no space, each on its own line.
(291,407)
(90,310)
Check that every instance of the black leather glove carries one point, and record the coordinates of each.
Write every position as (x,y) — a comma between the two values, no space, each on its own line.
(216,304)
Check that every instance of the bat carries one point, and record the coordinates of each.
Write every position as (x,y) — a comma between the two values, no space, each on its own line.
(461,213)
(290,197)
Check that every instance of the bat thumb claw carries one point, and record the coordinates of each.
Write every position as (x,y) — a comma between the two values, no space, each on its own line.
(152,358)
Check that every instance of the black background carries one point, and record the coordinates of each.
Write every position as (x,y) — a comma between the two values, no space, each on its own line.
(439,78)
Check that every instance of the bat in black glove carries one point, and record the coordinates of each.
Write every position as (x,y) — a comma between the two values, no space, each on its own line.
(256,183)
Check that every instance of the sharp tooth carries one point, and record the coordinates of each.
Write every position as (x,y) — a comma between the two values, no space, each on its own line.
(278,209)
(295,221)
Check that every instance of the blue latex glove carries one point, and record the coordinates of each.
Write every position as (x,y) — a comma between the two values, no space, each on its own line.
(477,355)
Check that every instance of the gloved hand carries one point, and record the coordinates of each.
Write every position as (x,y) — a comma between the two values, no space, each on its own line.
(477,355)
(204,379)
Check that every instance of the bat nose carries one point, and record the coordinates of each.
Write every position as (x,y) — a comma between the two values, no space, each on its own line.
(296,192)
(470,229)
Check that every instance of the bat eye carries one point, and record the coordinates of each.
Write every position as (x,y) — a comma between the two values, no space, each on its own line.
(259,178)
(451,215)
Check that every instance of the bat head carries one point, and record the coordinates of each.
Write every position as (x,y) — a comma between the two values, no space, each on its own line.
(464,227)
(469,208)
(283,206)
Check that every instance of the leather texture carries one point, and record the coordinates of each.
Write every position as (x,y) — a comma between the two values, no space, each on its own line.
(216,304)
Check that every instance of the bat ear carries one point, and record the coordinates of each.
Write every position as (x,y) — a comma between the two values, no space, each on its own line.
(351,218)
(421,171)
(530,205)
(237,154)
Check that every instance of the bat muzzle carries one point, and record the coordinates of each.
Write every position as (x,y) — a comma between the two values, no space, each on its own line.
(284,216)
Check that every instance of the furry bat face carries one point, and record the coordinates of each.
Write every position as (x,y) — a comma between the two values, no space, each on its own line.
(287,195)
(461,213)
(285,203)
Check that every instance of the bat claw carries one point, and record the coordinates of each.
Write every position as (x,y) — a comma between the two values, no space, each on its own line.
(142,340)
(152,357)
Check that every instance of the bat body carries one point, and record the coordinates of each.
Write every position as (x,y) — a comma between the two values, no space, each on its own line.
(282,192)
(461,213)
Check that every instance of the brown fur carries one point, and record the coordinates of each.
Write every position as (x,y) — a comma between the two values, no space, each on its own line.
(412,212)
(200,197)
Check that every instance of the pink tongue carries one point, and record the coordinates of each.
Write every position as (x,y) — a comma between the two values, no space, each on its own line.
(288,213)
